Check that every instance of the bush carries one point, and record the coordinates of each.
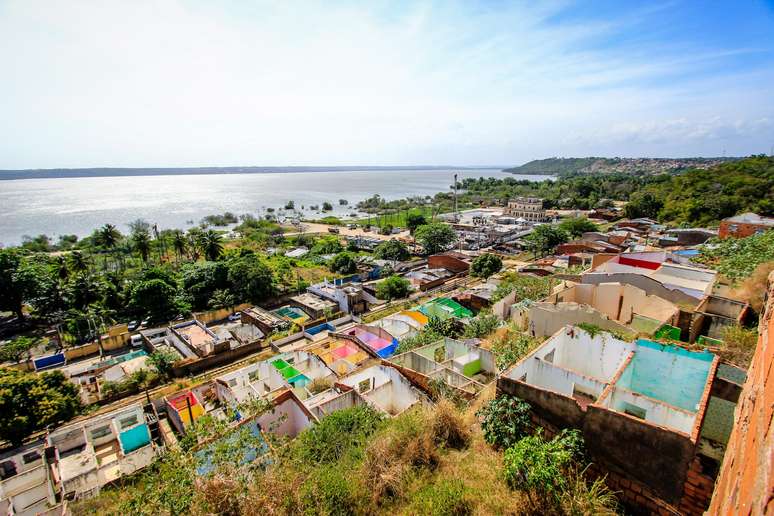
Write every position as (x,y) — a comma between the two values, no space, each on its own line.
(343,263)
(481,326)
(326,206)
(319,385)
(423,338)
(447,427)
(328,491)
(336,435)
(738,345)
(389,458)
(511,347)
(485,265)
(581,497)
(535,465)
(505,420)
(444,498)
(451,327)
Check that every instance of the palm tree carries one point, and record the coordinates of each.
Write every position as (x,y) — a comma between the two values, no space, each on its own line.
(179,243)
(109,237)
(78,262)
(211,245)
(61,268)
(142,243)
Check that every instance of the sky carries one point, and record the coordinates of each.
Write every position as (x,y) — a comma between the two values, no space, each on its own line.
(146,83)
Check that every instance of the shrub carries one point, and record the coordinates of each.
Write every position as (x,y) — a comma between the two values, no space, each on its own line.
(511,347)
(505,420)
(392,250)
(326,206)
(319,385)
(423,338)
(389,458)
(328,491)
(451,327)
(344,263)
(738,344)
(447,427)
(481,326)
(537,466)
(336,435)
(444,498)
(583,497)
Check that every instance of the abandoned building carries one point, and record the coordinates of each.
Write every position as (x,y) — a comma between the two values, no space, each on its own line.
(654,416)
(384,388)
(464,367)
(744,225)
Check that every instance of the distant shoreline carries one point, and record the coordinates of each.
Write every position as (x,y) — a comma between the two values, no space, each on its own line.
(67,173)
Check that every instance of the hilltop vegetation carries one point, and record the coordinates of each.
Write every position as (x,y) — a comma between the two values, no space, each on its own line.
(596,165)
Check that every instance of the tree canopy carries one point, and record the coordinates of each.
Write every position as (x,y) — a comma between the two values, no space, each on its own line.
(485,265)
(435,237)
(393,287)
(392,250)
(30,402)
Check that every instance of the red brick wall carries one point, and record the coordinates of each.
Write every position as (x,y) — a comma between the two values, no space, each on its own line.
(741,231)
(438,261)
(745,485)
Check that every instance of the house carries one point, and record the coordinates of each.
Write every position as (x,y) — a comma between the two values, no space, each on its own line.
(348,298)
(686,236)
(478,297)
(715,313)
(374,338)
(295,370)
(298,252)
(528,208)
(453,261)
(402,324)
(463,367)
(612,306)
(385,388)
(266,321)
(655,417)
(744,225)
(26,481)
(427,278)
(186,406)
(444,308)
(340,352)
(292,314)
(655,273)
(91,453)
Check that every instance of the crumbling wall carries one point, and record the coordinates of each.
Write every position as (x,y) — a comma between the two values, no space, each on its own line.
(746,481)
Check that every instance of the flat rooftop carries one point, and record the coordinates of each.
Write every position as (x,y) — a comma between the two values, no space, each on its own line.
(314,302)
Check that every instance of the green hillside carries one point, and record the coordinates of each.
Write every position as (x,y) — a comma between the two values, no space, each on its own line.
(597,165)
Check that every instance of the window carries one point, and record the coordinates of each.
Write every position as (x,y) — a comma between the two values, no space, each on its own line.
(232,382)
(30,457)
(550,357)
(364,386)
(634,410)
(128,421)
(253,375)
(100,432)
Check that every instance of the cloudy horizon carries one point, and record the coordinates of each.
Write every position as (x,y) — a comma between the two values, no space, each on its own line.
(195,83)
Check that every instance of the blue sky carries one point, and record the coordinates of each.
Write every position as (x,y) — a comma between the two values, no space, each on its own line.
(197,83)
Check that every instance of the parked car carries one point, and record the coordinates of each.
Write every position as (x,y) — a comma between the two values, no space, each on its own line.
(136,341)
(333,230)
(352,226)
(236,316)
(132,326)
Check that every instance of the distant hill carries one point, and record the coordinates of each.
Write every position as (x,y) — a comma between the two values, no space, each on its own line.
(48,173)
(596,165)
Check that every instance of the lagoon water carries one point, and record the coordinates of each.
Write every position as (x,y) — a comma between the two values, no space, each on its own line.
(79,205)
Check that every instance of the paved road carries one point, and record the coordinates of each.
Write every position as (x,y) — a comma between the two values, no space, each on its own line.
(314,227)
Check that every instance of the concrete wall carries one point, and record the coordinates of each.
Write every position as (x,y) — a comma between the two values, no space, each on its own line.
(746,481)
(648,284)
(548,318)
(657,413)
(285,419)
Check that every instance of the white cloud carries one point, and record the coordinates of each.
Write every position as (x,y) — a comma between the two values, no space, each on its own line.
(165,83)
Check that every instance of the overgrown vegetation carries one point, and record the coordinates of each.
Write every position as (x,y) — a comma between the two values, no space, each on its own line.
(510,345)
(525,287)
(737,258)
(738,345)
(505,420)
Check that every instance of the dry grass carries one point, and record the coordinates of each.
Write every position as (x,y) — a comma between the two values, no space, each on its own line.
(753,289)
(448,427)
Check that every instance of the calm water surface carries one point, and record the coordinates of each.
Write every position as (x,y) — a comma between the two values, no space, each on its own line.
(79,205)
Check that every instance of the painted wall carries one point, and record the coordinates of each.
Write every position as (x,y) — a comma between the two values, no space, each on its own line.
(285,419)
(655,412)
(667,373)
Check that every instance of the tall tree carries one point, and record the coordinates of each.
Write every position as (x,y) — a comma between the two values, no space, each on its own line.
(78,262)
(19,281)
(142,244)
(435,237)
(179,244)
(108,237)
